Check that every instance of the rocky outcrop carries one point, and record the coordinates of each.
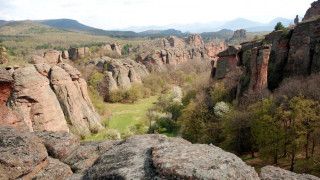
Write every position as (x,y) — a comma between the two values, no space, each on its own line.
(259,68)
(59,144)
(150,156)
(183,161)
(65,54)
(34,102)
(118,73)
(313,11)
(53,98)
(213,49)
(195,40)
(6,115)
(271,173)
(71,91)
(157,156)
(78,53)
(294,52)
(241,33)
(52,57)
(117,48)
(177,51)
(21,154)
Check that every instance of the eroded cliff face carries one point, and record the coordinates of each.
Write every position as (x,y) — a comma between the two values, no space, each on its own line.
(175,51)
(52,98)
(313,11)
(266,62)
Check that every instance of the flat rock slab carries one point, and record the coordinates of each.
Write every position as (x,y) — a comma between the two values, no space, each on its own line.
(271,173)
(199,161)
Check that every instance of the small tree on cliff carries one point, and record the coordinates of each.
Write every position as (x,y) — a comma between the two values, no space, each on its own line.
(279,26)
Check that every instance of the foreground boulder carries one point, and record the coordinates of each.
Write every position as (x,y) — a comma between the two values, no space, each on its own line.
(21,154)
(271,173)
(199,161)
(59,144)
(157,156)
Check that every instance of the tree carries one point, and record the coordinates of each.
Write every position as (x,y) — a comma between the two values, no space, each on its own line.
(279,26)
(267,129)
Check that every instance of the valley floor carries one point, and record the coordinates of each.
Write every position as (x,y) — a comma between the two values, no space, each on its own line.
(120,116)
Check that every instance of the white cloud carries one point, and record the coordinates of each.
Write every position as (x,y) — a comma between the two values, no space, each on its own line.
(116,14)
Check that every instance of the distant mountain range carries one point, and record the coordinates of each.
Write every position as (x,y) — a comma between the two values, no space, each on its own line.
(240,23)
(213,29)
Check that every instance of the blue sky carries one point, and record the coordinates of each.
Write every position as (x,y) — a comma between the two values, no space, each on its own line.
(118,14)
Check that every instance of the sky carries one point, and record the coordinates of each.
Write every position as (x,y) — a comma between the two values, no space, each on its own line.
(120,14)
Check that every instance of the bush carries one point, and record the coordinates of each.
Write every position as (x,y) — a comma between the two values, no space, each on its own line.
(279,26)
(134,93)
(112,134)
(221,109)
(116,95)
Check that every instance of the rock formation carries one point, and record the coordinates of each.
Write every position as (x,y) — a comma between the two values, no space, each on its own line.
(241,33)
(313,11)
(52,98)
(65,54)
(271,173)
(52,57)
(259,68)
(34,102)
(71,91)
(296,20)
(6,115)
(177,50)
(279,55)
(118,73)
(117,48)
(195,40)
(78,53)
(52,155)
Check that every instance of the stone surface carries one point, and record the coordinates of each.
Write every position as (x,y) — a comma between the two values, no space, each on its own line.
(65,54)
(3,53)
(75,103)
(53,171)
(175,42)
(52,57)
(195,40)
(78,53)
(34,102)
(59,144)
(131,159)
(35,59)
(21,154)
(259,69)
(6,85)
(272,173)
(213,49)
(313,11)
(86,154)
(199,161)
(117,48)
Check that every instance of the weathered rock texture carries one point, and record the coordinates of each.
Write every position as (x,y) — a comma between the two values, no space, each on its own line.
(3,54)
(52,98)
(21,154)
(71,91)
(175,51)
(259,68)
(182,161)
(78,53)
(52,57)
(34,102)
(313,11)
(118,73)
(6,115)
(271,173)
(265,63)
(25,156)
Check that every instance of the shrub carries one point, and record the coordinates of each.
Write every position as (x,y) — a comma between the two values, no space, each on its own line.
(94,129)
(116,95)
(279,26)
(221,109)
(134,93)
(112,134)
